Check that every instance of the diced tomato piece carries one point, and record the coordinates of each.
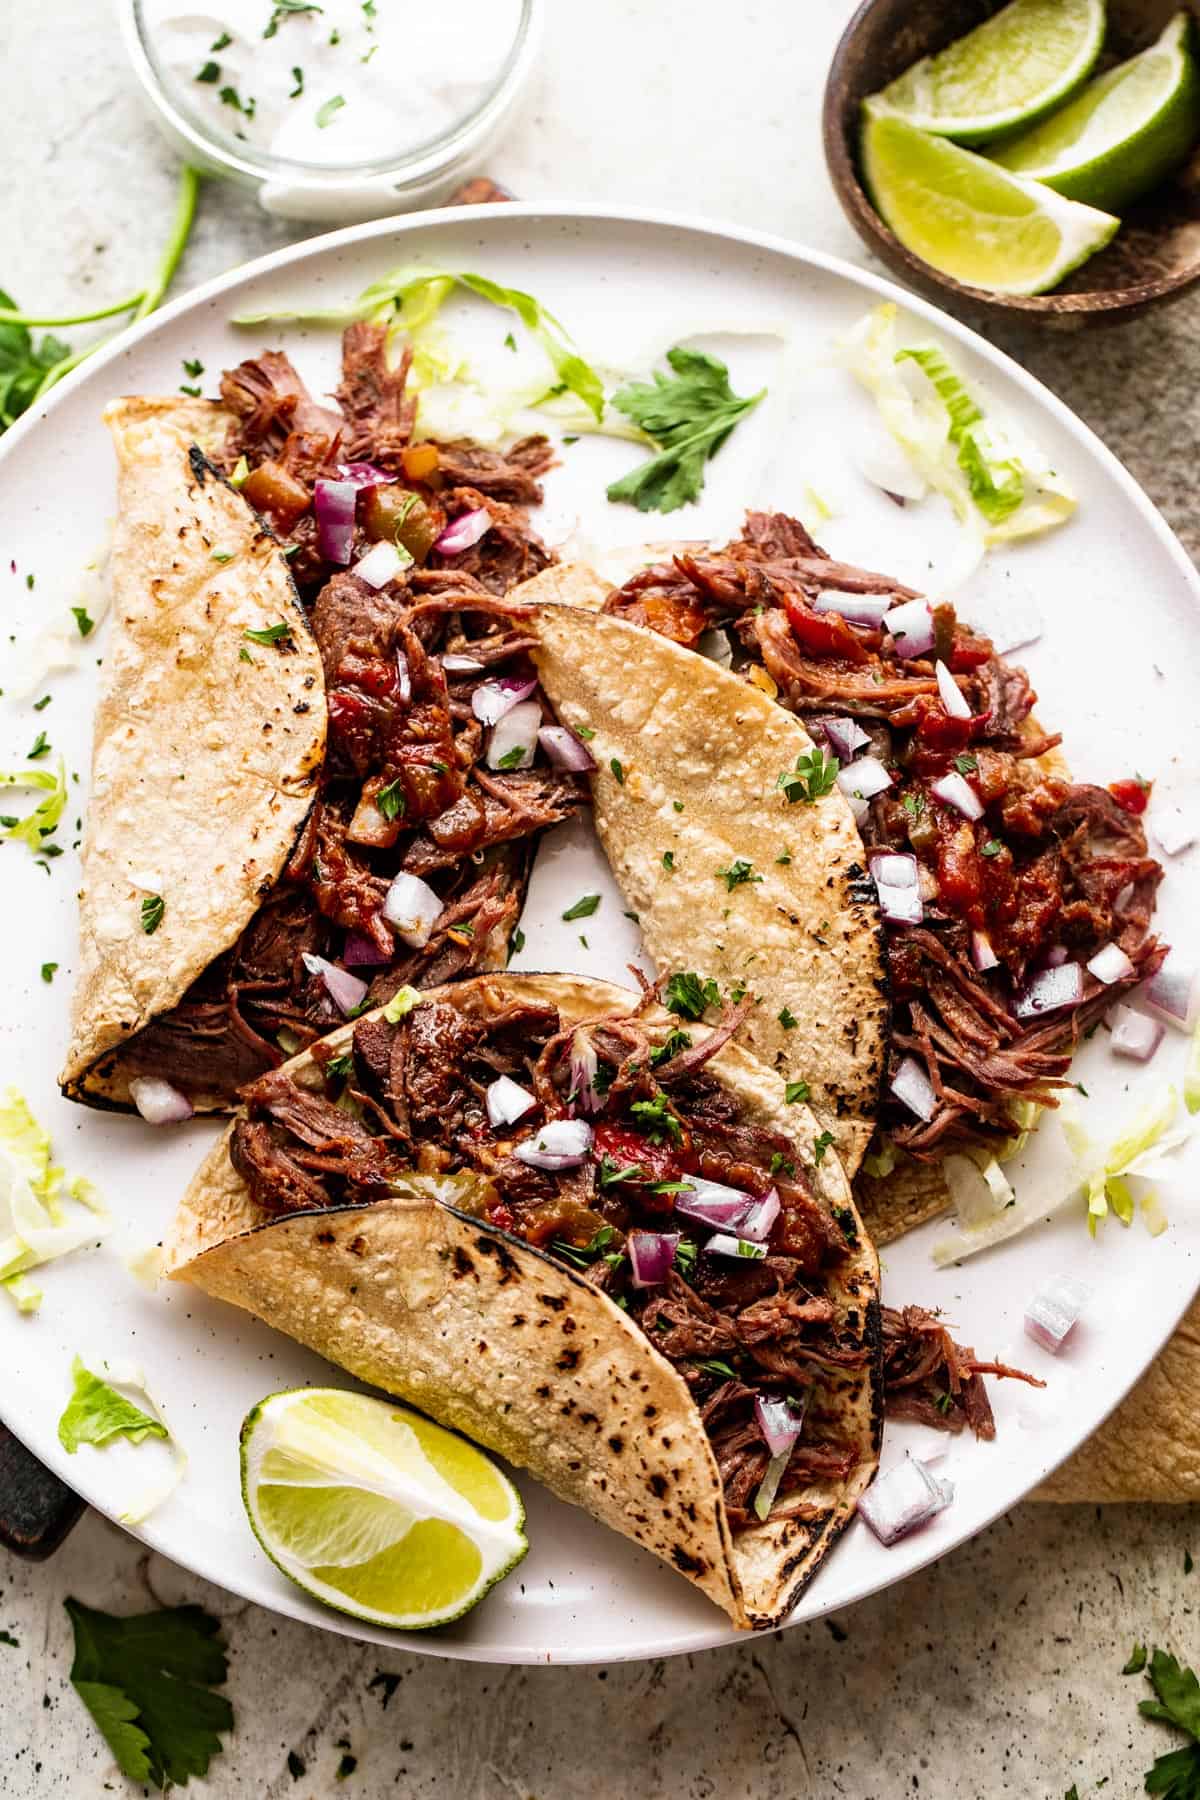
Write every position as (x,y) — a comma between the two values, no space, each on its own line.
(657,1162)
(823,634)
(960,869)
(1134,796)
(969,652)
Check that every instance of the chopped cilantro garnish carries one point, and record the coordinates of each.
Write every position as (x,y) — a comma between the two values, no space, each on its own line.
(966,764)
(270,634)
(283,8)
(42,704)
(211,72)
(329,111)
(585,732)
(153,908)
(583,908)
(510,342)
(583,1254)
(193,366)
(739,872)
(794,1091)
(657,1120)
(83,620)
(298,77)
(244,655)
(781,1164)
(784,857)
(340,1065)
(390,800)
(713,1365)
(821,1145)
(610,1173)
(512,759)
(224,556)
(685,1255)
(618,772)
(814,775)
(913,804)
(48,971)
(689,996)
(41,747)
(516,942)
(788,1019)
(944,1402)
(221,43)
(993,847)
(672,1044)
(678,805)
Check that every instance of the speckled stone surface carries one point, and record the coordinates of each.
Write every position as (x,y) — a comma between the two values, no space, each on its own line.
(996,1673)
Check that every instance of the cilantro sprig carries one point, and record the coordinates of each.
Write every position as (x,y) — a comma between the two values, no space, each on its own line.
(689,995)
(689,414)
(1176,1775)
(813,777)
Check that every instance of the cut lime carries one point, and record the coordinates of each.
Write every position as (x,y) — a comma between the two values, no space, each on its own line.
(375,1510)
(964,215)
(1125,131)
(1014,68)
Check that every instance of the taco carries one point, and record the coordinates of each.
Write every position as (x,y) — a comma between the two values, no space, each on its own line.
(999,877)
(603,1245)
(247,877)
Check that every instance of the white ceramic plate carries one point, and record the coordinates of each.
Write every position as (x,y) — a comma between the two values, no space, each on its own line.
(1118,670)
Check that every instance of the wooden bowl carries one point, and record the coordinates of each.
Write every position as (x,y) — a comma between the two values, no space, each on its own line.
(1154,256)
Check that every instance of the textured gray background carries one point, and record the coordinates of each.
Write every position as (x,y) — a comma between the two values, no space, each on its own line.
(995,1673)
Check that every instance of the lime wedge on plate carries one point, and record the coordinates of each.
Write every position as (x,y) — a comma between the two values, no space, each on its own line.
(1012,69)
(375,1510)
(1125,131)
(971,219)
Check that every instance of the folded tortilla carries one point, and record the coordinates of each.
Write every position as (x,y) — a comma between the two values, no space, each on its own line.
(207,746)
(802,925)
(515,1349)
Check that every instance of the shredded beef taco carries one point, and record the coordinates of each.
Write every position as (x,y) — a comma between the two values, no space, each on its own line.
(248,876)
(999,877)
(601,1243)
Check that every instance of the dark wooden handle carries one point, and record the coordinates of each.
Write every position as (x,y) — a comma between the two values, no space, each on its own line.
(37,1510)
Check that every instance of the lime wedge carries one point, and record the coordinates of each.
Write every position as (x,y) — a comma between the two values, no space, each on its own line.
(1015,67)
(971,219)
(375,1510)
(1125,131)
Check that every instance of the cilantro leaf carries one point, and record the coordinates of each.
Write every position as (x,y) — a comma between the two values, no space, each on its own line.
(23,366)
(153,908)
(96,1412)
(738,872)
(1176,1775)
(84,621)
(1137,1660)
(656,1120)
(674,1042)
(390,800)
(270,634)
(821,1145)
(794,1091)
(689,414)
(329,111)
(583,908)
(813,776)
(145,1679)
(689,996)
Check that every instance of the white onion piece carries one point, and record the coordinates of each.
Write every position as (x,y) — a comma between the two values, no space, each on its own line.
(1053,1312)
(906,1497)
(779,1424)
(1172,829)
(507,1101)
(759,1220)
(953,698)
(911,625)
(913,1088)
(516,731)
(1050,991)
(454,664)
(412,909)
(714,645)
(722,1244)
(894,868)
(957,792)
(382,563)
(158,1102)
(584,1067)
(464,532)
(712,1203)
(863,779)
(403,678)
(982,954)
(651,1254)
(1110,964)
(493,699)
(562,1144)
(859,609)
(1172,993)
(1134,1035)
(345,990)
(845,737)
(565,750)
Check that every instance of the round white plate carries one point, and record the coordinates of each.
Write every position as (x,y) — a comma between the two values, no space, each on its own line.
(1118,669)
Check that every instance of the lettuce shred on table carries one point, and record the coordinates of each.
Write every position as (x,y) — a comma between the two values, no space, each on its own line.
(1139,1152)
(999,488)
(43,1215)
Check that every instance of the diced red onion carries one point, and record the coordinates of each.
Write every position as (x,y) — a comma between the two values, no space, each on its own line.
(953,698)
(651,1254)
(913,1088)
(517,730)
(454,664)
(158,1102)
(492,699)
(712,1203)
(365,475)
(1172,829)
(345,990)
(911,625)
(1050,991)
(412,909)
(1172,993)
(1053,1312)
(779,1423)
(759,1220)
(562,1144)
(1134,1035)
(382,563)
(1110,964)
(1056,957)
(564,750)
(725,1245)
(361,952)
(957,792)
(894,868)
(584,1069)
(507,1101)
(864,779)
(464,532)
(859,609)
(907,1497)
(982,954)
(403,678)
(845,737)
(897,883)
(333,504)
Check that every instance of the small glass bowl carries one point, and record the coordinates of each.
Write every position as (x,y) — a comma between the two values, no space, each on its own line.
(420,176)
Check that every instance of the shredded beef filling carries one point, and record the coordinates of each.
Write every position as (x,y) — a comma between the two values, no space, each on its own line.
(930,1379)
(1051,867)
(411,1096)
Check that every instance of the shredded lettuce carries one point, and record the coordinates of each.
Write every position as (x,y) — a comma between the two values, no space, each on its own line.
(22,1292)
(102,1415)
(37,825)
(401,1003)
(1191,1074)
(999,490)
(36,1223)
(96,1413)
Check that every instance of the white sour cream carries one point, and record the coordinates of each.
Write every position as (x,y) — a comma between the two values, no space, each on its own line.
(336,85)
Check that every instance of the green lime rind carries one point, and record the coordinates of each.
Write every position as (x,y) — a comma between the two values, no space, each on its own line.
(1012,70)
(1124,133)
(258,1441)
(972,220)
